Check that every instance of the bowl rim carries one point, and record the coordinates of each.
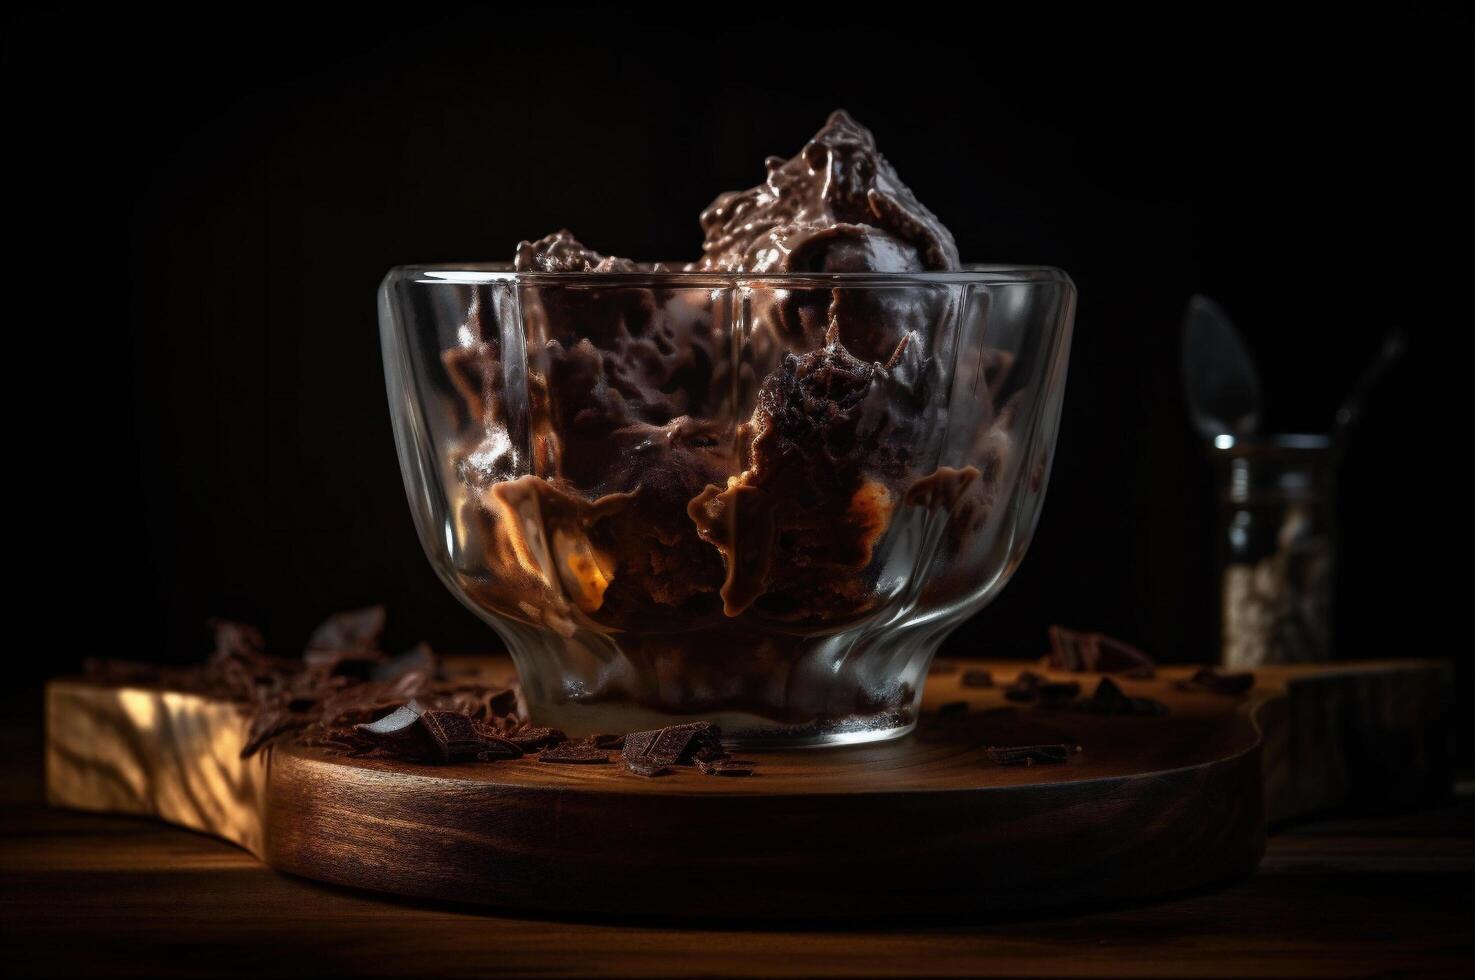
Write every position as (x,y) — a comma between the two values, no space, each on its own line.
(481,273)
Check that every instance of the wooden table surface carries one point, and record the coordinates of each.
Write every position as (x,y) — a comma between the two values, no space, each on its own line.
(82,894)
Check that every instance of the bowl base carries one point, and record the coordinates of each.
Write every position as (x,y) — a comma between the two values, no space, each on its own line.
(740,729)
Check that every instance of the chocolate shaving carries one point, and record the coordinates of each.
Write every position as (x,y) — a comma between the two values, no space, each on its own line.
(454,735)
(1095,653)
(1056,694)
(400,734)
(1025,687)
(724,766)
(647,768)
(1229,683)
(530,739)
(1110,699)
(673,745)
(574,753)
(1029,755)
(357,630)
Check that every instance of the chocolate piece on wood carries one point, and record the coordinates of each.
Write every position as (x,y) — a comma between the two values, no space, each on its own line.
(400,734)
(1057,694)
(976,678)
(723,765)
(672,745)
(454,735)
(234,639)
(419,662)
(1025,687)
(647,768)
(1110,699)
(1029,755)
(355,630)
(1097,653)
(574,753)
(1229,683)
(531,739)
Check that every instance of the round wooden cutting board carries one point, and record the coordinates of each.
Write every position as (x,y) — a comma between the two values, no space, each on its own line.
(927,825)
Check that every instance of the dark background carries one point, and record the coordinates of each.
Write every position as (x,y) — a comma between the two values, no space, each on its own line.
(200,214)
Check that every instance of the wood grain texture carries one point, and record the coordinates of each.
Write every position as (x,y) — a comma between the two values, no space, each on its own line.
(1152,805)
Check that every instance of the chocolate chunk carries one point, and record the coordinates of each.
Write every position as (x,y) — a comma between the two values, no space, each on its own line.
(1110,699)
(976,678)
(645,767)
(1025,687)
(358,665)
(574,753)
(724,766)
(355,630)
(530,739)
(1028,755)
(1055,694)
(1095,653)
(455,735)
(400,735)
(495,747)
(1229,683)
(952,709)
(612,742)
(673,745)
(237,639)
(417,662)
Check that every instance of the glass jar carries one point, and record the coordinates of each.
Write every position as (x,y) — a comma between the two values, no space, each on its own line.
(1277,552)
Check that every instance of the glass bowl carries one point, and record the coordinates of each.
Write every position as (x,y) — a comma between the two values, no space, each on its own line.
(759,500)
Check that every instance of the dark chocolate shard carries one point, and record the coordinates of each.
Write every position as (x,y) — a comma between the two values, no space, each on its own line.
(1110,699)
(724,765)
(495,747)
(354,664)
(611,742)
(455,736)
(531,739)
(418,662)
(1057,694)
(355,630)
(400,735)
(674,744)
(646,768)
(976,678)
(1095,653)
(1025,687)
(1029,755)
(574,753)
(1229,683)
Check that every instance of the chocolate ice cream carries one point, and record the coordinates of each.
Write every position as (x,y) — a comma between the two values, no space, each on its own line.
(708,500)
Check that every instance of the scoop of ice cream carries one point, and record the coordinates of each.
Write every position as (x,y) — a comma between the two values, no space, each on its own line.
(838,206)
(832,443)
(562,252)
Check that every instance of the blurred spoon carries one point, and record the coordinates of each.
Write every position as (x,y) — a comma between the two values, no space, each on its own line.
(1220,380)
